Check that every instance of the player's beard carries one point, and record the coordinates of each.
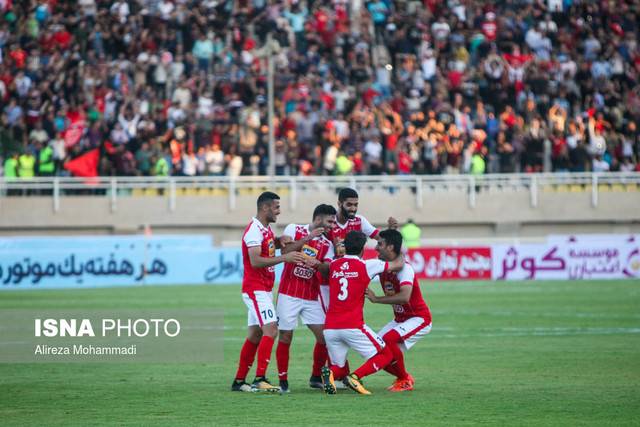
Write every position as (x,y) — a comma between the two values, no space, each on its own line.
(346,214)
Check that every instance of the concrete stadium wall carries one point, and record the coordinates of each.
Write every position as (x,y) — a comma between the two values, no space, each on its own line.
(444,215)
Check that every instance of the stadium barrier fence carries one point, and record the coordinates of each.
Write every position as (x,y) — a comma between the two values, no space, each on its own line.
(295,187)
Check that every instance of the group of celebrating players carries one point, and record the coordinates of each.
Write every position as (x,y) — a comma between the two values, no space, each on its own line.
(324,283)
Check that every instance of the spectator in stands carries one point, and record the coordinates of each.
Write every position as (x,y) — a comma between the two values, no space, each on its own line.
(361,87)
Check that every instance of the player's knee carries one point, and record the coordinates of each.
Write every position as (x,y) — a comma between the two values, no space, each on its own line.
(270,330)
(254,335)
(318,333)
(391,337)
(285,337)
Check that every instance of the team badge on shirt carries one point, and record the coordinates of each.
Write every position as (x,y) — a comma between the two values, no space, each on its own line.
(272,248)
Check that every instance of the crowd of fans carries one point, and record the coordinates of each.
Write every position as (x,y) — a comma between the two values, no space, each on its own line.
(179,87)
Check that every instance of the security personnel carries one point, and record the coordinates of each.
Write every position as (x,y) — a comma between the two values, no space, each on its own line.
(11,167)
(411,234)
(46,165)
(161,167)
(26,165)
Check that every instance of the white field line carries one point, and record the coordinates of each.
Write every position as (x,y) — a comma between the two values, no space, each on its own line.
(544,332)
(494,332)
(499,290)
(581,315)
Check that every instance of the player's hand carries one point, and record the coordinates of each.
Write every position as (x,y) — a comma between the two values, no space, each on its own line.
(317,232)
(294,257)
(311,262)
(371,296)
(284,240)
(393,223)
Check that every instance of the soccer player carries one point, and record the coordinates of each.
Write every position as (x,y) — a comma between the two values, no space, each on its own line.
(299,288)
(344,327)
(412,318)
(258,257)
(348,220)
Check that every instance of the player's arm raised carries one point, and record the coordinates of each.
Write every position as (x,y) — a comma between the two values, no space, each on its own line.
(401,297)
(393,223)
(283,241)
(296,245)
(373,232)
(258,261)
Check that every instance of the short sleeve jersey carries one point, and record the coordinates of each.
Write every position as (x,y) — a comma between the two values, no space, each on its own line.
(339,232)
(258,279)
(359,223)
(298,280)
(391,284)
(349,278)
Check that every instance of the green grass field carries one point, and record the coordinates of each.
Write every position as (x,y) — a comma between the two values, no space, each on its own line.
(500,353)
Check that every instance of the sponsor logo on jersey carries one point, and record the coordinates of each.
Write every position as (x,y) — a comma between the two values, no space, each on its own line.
(388,289)
(347,274)
(303,273)
(309,251)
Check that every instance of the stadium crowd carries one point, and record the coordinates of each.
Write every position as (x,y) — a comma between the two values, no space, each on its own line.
(179,87)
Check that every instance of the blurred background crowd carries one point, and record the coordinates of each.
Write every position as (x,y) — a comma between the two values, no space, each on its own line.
(179,87)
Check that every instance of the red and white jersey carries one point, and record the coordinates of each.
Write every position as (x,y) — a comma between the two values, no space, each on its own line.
(349,278)
(298,280)
(359,223)
(258,279)
(339,231)
(391,284)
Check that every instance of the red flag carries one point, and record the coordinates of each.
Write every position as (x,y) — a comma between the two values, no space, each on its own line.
(85,165)
(109,148)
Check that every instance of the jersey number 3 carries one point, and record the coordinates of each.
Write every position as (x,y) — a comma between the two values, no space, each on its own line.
(344,292)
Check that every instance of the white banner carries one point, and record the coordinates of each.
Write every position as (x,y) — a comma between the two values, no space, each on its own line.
(617,258)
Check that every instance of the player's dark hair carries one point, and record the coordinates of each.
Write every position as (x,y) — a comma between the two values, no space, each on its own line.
(354,242)
(347,193)
(267,197)
(392,237)
(323,209)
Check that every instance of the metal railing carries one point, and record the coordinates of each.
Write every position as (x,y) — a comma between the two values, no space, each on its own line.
(296,186)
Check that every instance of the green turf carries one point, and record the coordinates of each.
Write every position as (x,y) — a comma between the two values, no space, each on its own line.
(507,353)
